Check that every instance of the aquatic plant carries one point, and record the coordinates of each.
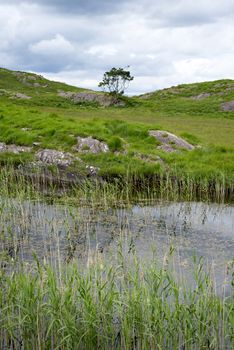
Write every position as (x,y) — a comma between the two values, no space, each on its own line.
(117,304)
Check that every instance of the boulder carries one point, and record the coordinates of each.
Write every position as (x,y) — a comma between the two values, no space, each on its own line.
(170,142)
(54,157)
(18,149)
(3,147)
(228,106)
(90,145)
(90,97)
(201,96)
(21,96)
(14,148)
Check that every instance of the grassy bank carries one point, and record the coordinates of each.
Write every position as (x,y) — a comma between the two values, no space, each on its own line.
(114,189)
(47,120)
(120,304)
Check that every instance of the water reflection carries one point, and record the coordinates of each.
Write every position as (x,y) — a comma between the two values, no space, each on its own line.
(54,231)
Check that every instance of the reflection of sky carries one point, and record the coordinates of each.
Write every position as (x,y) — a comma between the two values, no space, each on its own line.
(192,228)
(199,216)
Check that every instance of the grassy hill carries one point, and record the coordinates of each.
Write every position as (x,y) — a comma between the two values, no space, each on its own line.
(33,113)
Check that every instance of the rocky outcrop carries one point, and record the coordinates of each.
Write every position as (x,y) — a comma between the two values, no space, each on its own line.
(14,149)
(30,79)
(201,96)
(228,106)
(170,142)
(21,76)
(14,95)
(91,97)
(21,96)
(54,157)
(90,145)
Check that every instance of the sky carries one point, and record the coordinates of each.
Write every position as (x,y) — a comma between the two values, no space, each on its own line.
(165,42)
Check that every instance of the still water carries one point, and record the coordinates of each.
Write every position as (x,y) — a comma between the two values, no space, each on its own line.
(67,233)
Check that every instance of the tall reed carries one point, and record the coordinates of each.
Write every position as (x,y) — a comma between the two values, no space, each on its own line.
(170,186)
(115,304)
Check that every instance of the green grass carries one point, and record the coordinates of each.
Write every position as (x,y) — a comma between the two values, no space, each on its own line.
(55,123)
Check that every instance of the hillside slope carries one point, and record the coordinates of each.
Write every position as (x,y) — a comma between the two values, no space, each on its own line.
(41,114)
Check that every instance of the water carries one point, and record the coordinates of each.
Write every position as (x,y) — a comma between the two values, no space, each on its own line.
(55,231)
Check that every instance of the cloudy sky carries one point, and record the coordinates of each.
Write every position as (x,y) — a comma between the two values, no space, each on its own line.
(165,42)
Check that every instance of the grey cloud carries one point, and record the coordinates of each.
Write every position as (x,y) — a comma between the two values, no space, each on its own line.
(164,42)
(185,13)
(91,7)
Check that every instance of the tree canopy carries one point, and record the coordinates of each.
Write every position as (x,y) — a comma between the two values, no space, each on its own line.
(116,81)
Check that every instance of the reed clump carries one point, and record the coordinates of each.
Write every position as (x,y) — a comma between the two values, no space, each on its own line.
(115,304)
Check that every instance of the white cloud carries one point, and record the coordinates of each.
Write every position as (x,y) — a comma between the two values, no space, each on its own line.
(53,47)
(78,78)
(102,50)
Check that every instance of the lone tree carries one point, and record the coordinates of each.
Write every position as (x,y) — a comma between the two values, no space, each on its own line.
(116,81)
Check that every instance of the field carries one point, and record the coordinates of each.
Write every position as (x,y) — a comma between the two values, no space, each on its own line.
(53,122)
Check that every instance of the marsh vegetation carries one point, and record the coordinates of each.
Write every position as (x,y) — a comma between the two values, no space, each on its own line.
(96,270)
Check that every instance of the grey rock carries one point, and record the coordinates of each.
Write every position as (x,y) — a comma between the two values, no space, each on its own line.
(14,148)
(31,77)
(2,147)
(201,96)
(93,171)
(26,129)
(219,85)
(18,149)
(170,142)
(167,148)
(54,157)
(228,106)
(90,145)
(102,99)
(21,96)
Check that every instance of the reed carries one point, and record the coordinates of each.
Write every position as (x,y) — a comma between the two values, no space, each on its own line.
(117,304)
(109,190)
